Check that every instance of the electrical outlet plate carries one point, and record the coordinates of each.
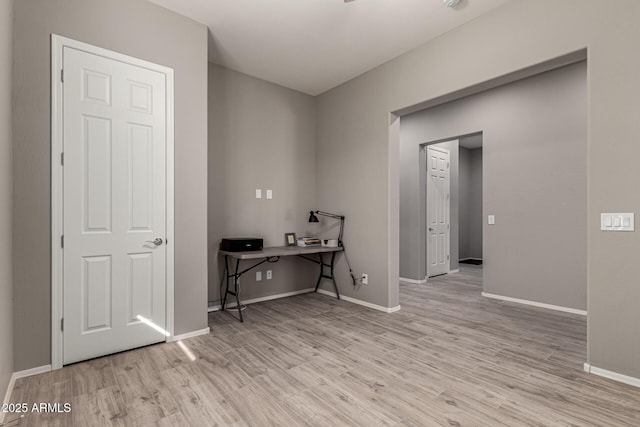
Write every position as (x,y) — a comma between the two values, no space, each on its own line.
(269,274)
(365,278)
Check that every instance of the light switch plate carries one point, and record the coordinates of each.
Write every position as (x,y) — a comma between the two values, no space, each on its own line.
(258,193)
(491,219)
(269,194)
(617,221)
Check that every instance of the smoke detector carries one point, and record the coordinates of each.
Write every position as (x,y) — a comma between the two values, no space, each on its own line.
(450,3)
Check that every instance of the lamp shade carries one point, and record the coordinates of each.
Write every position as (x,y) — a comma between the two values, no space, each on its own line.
(313,217)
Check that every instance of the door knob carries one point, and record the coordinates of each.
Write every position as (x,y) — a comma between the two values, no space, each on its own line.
(157,241)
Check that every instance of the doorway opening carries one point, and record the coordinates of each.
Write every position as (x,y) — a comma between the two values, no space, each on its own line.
(464,206)
(534,176)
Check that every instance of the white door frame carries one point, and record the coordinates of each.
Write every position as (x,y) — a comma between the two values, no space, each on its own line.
(57,253)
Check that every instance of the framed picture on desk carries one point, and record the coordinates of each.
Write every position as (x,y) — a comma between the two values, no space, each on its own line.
(290,239)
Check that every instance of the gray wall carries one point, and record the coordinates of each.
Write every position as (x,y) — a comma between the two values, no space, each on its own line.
(261,135)
(357,144)
(6,280)
(470,201)
(534,146)
(464,177)
(475,204)
(140,29)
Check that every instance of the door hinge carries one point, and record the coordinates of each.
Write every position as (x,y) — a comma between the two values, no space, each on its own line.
(62,159)
(447,165)
(62,241)
(62,324)
(447,257)
(447,226)
(62,76)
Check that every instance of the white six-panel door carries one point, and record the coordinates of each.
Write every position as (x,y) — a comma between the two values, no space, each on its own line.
(438,229)
(114,205)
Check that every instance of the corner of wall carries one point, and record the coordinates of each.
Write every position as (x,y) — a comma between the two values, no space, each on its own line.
(6,202)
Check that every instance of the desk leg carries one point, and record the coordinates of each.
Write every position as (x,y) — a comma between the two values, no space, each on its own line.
(226,277)
(333,278)
(321,263)
(330,276)
(237,291)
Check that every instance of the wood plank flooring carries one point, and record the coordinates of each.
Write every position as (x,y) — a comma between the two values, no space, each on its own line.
(449,357)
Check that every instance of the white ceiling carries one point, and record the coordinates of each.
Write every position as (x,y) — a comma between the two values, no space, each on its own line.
(314,45)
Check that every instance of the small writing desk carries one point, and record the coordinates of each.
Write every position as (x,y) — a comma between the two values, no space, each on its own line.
(273,254)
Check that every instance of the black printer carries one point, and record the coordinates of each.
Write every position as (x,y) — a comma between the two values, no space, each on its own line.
(240,244)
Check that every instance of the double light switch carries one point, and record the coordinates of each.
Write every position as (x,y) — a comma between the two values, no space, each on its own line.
(259,194)
(617,222)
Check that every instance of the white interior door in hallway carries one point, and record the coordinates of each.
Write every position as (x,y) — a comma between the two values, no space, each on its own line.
(114,208)
(438,210)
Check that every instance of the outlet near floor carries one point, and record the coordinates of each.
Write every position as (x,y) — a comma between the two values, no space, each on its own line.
(269,274)
(365,279)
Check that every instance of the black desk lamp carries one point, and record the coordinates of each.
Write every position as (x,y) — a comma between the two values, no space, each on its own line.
(314,218)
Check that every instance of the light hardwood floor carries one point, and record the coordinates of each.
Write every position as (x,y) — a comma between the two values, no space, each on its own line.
(449,357)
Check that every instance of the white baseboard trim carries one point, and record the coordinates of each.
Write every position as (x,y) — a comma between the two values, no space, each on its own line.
(12,383)
(306,291)
(414,281)
(7,396)
(261,299)
(33,371)
(536,304)
(393,309)
(612,375)
(360,302)
(457,270)
(191,334)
